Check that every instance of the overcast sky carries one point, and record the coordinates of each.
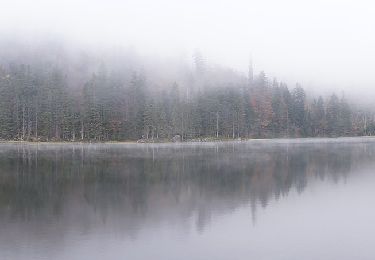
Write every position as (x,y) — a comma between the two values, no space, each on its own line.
(326,44)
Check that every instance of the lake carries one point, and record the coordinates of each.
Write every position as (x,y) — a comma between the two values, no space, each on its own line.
(261,199)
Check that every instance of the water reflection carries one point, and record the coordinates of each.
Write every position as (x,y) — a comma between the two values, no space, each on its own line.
(47,191)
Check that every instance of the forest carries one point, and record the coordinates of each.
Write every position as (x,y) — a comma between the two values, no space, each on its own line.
(126,98)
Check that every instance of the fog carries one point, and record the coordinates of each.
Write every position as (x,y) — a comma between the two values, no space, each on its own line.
(324,45)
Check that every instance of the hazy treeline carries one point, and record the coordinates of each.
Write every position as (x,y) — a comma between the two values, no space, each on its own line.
(45,100)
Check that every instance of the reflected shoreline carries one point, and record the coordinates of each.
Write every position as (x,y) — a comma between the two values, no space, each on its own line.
(94,188)
(36,177)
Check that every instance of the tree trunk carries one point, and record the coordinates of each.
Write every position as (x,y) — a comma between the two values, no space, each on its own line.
(82,130)
(23,122)
(36,123)
(217,124)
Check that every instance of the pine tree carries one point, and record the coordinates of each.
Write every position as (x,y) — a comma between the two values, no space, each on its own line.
(7,126)
(333,116)
(298,110)
(345,121)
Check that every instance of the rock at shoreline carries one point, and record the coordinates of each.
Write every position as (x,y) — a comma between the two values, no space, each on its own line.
(176,139)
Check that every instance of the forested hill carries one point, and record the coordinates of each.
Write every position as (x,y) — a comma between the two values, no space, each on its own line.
(55,100)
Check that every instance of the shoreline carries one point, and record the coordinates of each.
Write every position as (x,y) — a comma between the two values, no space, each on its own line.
(190,141)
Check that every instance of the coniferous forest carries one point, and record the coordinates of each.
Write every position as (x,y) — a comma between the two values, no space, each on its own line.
(119,98)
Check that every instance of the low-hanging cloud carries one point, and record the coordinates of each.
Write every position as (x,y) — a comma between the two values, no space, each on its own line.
(322,44)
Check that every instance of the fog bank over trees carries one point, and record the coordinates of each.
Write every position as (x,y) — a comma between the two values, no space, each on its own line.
(325,45)
(53,91)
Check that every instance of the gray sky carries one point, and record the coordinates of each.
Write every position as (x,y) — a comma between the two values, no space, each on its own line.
(325,44)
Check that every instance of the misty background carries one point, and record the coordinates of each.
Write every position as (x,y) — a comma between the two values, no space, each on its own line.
(324,45)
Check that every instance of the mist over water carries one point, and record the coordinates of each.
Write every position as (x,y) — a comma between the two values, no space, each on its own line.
(260,199)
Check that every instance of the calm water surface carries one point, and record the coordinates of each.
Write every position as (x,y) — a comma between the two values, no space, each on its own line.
(286,199)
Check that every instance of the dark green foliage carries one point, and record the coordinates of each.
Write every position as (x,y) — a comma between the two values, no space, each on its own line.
(41,105)
(298,114)
(333,116)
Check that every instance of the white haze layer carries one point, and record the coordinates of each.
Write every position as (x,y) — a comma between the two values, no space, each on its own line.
(325,45)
